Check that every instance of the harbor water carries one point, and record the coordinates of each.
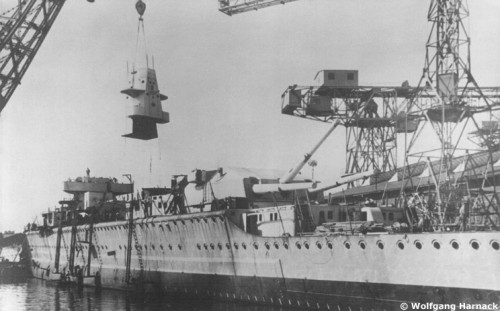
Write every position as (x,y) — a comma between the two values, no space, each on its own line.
(35,294)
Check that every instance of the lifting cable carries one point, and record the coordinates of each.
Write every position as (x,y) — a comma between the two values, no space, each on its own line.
(140,7)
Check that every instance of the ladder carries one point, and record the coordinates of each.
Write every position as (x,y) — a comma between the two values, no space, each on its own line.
(72,245)
(80,250)
(138,249)
(304,210)
(132,234)
(65,247)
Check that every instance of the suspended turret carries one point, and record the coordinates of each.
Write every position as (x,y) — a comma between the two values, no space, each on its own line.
(147,111)
(144,92)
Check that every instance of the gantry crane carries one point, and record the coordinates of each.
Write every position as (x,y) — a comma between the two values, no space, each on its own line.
(446,95)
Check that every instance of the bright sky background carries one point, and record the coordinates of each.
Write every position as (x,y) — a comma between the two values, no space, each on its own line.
(224,77)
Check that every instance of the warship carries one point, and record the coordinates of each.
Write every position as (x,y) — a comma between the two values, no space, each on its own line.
(244,235)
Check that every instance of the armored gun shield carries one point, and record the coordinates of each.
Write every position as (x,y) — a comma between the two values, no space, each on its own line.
(147,111)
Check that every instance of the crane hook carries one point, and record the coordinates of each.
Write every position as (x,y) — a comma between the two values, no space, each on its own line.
(140,7)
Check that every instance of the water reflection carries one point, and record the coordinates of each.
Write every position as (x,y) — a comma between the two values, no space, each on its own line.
(34,294)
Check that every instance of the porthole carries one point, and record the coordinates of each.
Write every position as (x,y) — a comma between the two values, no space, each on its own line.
(198,245)
(268,246)
(362,244)
(475,244)
(276,245)
(455,244)
(495,245)
(306,245)
(347,245)
(256,245)
(285,245)
(318,245)
(401,245)
(214,219)
(380,244)
(205,245)
(205,220)
(161,247)
(436,244)
(418,244)
(298,245)
(179,246)
(235,245)
(219,245)
(212,246)
(183,222)
(170,246)
(244,245)
(145,247)
(152,247)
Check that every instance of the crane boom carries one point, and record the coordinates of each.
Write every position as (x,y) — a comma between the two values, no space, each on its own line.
(22,31)
(231,7)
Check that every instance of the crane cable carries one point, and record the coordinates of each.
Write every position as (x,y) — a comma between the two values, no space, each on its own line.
(140,7)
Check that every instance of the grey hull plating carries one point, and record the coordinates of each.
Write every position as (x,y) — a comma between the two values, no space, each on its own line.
(206,255)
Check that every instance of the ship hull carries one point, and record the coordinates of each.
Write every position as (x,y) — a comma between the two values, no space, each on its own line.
(207,256)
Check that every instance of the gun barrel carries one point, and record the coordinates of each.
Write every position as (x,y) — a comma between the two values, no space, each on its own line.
(291,175)
(265,188)
(345,180)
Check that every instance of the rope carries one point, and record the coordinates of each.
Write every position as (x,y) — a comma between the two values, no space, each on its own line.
(140,26)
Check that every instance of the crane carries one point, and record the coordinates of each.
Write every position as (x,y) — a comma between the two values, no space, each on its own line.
(447,98)
(23,29)
(231,7)
(446,95)
(22,32)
